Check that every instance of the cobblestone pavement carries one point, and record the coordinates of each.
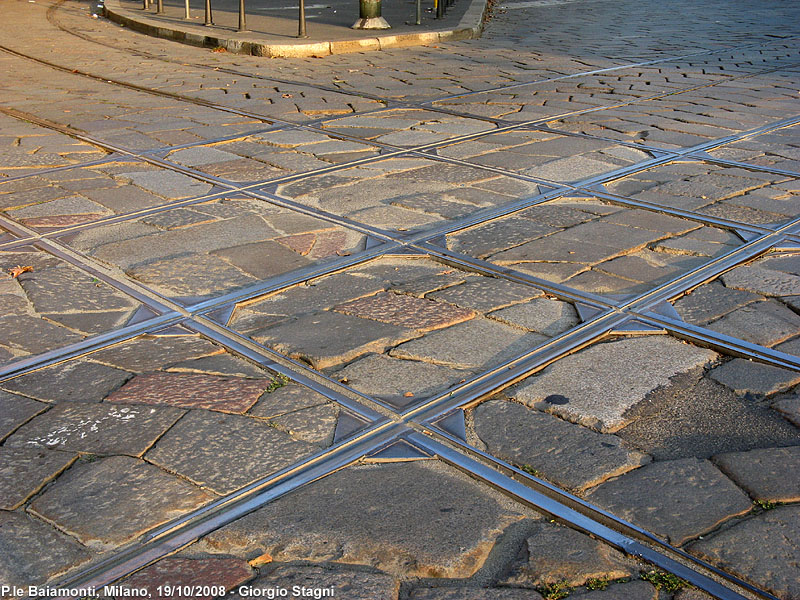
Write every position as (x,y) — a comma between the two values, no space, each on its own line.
(509,318)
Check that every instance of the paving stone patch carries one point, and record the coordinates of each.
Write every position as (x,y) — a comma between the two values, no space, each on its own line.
(790,408)
(96,428)
(85,502)
(203,445)
(678,500)
(346,583)
(632,590)
(188,390)
(15,411)
(694,416)
(545,316)
(405,311)
(566,454)
(754,379)
(600,397)
(554,554)
(761,472)
(485,294)
(764,323)
(33,551)
(412,518)
(286,399)
(753,547)
(148,353)
(473,593)
(23,472)
(173,571)
(74,381)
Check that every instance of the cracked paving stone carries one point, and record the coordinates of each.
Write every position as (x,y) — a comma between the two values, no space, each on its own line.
(148,353)
(73,381)
(15,411)
(326,339)
(760,280)
(23,472)
(167,184)
(315,425)
(96,428)
(473,593)
(263,260)
(614,377)
(548,317)
(222,364)
(485,293)
(190,390)
(197,157)
(557,249)
(476,344)
(195,275)
(112,501)
(764,323)
(764,550)
(788,407)
(695,416)
(566,454)
(493,237)
(203,445)
(34,335)
(346,583)
(554,553)
(286,399)
(762,472)
(573,168)
(417,518)
(391,379)
(176,571)
(405,311)
(675,499)
(34,552)
(749,378)
(710,302)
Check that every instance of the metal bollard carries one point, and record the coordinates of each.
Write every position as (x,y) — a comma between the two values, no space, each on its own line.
(160,7)
(369,16)
(209,19)
(301,21)
(144,4)
(188,16)
(440,9)
(242,24)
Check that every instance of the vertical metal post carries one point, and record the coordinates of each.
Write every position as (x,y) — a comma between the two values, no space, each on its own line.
(209,20)
(144,4)
(301,21)
(188,16)
(418,20)
(440,9)
(242,24)
(160,7)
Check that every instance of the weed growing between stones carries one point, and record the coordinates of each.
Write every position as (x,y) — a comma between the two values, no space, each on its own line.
(663,580)
(555,591)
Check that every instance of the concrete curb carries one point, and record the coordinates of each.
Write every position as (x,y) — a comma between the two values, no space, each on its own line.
(470,26)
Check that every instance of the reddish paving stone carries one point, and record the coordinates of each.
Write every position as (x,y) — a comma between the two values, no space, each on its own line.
(300,243)
(406,311)
(217,572)
(329,243)
(61,220)
(192,390)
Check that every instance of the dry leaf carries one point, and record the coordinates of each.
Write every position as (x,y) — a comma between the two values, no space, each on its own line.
(17,271)
(259,561)
(286,96)
(409,394)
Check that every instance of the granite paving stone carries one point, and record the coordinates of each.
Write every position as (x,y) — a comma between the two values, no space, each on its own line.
(546,316)
(476,344)
(33,335)
(677,499)
(33,551)
(263,259)
(85,501)
(148,353)
(554,554)
(711,301)
(485,293)
(175,571)
(315,425)
(203,445)
(754,379)
(96,428)
(405,311)
(789,407)
(410,518)
(190,390)
(761,472)
(346,583)
(168,184)
(615,376)
(392,379)
(754,547)
(15,411)
(23,472)
(286,399)
(222,364)
(473,593)
(566,454)
(764,323)
(632,590)
(74,381)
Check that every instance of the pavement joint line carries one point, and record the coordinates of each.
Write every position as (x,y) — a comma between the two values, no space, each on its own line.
(495,473)
(744,165)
